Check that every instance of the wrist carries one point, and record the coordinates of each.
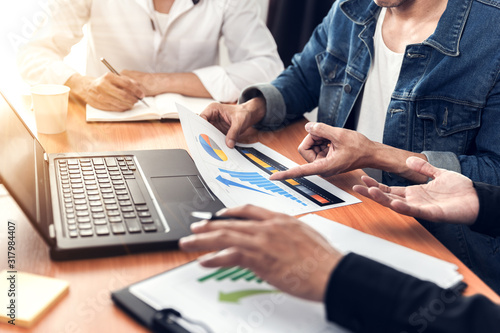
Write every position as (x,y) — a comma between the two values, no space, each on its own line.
(393,160)
(79,86)
(256,107)
(322,284)
(157,83)
(187,84)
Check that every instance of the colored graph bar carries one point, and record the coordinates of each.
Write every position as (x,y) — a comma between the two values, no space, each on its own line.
(258,180)
(214,274)
(232,273)
(251,277)
(241,275)
(235,270)
(303,186)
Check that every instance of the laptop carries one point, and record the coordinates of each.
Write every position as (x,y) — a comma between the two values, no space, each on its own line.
(87,205)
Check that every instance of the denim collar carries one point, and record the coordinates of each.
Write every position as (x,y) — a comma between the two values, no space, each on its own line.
(446,37)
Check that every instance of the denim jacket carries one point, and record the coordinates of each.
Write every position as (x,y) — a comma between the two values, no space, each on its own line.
(446,103)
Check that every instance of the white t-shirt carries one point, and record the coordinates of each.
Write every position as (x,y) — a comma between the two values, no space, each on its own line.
(162,19)
(380,83)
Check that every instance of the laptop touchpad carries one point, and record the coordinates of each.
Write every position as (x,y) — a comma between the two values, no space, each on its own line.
(185,189)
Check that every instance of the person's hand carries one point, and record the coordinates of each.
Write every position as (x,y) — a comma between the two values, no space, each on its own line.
(449,197)
(278,248)
(234,120)
(329,151)
(109,92)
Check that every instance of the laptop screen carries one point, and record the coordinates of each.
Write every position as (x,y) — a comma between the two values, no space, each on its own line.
(22,166)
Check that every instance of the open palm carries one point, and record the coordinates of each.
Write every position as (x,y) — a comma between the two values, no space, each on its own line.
(449,197)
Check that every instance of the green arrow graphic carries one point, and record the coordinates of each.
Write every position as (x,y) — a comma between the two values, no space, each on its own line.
(235,296)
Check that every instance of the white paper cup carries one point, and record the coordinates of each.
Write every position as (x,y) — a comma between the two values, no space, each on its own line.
(50,103)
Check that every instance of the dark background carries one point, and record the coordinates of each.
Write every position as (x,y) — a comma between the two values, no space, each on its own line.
(292,22)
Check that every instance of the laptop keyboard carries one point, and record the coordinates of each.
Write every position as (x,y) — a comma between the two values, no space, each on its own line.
(101,197)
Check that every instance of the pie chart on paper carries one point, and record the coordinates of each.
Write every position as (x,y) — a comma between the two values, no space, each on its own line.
(212,148)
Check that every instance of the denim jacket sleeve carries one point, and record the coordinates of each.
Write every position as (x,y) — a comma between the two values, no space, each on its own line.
(297,89)
(483,164)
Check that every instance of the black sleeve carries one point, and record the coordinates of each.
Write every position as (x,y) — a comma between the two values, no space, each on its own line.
(488,220)
(366,296)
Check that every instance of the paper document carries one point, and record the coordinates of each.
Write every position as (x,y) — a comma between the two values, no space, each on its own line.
(406,260)
(235,300)
(240,176)
(160,107)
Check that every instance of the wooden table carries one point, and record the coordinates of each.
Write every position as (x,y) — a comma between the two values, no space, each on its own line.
(88,307)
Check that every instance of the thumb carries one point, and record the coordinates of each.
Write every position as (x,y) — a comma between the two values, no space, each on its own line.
(232,134)
(319,130)
(423,167)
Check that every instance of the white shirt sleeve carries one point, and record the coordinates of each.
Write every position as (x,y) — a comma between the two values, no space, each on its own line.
(252,52)
(41,59)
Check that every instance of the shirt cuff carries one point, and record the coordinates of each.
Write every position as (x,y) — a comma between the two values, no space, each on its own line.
(488,219)
(218,84)
(444,160)
(275,105)
(362,294)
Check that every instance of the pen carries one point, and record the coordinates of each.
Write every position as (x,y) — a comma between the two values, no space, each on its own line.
(171,321)
(112,70)
(212,217)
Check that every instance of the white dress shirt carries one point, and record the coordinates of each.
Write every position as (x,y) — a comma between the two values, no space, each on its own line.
(127,33)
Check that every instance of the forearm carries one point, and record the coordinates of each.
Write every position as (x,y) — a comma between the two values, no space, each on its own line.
(187,84)
(390,159)
(41,60)
(391,301)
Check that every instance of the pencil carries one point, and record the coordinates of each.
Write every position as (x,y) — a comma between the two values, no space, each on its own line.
(112,70)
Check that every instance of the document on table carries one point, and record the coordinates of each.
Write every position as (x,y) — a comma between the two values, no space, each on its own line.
(235,300)
(406,260)
(240,176)
(160,107)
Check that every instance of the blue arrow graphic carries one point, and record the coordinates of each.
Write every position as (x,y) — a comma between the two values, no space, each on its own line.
(228,182)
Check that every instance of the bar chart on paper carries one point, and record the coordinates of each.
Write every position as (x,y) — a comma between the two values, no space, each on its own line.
(230,300)
(258,180)
(240,176)
(231,273)
(300,185)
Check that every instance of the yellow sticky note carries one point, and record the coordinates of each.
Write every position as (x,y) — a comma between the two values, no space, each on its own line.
(26,297)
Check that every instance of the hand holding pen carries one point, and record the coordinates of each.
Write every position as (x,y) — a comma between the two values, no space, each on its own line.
(126,85)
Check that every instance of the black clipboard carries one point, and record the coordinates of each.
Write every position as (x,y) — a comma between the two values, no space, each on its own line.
(164,321)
